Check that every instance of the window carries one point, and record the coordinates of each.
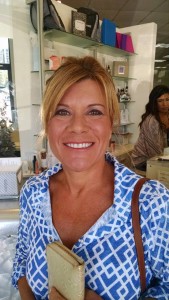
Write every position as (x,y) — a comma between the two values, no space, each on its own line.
(6,82)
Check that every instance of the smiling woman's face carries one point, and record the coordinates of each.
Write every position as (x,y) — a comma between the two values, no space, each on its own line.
(80,131)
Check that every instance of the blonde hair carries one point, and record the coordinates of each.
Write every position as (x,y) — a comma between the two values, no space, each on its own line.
(71,71)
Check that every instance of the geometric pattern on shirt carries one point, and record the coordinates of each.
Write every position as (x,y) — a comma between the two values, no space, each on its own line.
(107,248)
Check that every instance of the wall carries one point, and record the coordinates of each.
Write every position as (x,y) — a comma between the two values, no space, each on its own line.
(142,69)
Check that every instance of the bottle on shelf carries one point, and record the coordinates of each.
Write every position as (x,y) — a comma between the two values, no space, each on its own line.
(35,165)
(43,159)
(108,69)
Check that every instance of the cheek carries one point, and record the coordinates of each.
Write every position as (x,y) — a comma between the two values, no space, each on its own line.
(53,132)
(105,130)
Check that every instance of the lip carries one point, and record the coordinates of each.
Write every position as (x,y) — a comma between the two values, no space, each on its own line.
(79,146)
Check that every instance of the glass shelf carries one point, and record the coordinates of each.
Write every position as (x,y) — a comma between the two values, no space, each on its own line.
(83,42)
(126,102)
(125,124)
(122,133)
(46,70)
(123,78)
(122,124)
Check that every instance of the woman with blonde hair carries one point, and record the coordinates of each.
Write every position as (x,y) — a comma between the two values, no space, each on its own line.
(85,200)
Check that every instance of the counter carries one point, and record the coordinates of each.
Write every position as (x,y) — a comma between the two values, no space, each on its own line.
(9,220)
(123,154)
(158,169)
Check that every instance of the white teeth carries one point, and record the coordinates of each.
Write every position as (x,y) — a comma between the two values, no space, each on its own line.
(79,146)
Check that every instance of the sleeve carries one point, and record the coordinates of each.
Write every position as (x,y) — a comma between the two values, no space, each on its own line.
(157,211)
(22,248)
(152,137)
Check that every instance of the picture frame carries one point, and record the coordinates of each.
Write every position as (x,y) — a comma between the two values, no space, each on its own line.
(120,68)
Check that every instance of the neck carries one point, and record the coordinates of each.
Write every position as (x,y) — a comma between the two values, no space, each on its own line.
(79,182)
(164,117)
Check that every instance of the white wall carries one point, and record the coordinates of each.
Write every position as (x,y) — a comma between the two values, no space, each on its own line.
(141,68)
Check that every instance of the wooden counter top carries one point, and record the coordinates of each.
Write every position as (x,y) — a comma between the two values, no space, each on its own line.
(122,149)
(123,154)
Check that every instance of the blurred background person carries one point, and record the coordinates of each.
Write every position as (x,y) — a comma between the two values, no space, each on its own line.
(154,128)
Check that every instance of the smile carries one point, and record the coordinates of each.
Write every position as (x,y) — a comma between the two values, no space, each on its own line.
(79,146)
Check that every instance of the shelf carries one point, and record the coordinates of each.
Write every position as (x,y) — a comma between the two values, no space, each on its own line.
(119,78)
(29,1)
(122,124)
(121,133)
(43,70)
(85,43)
(125,124)
(126,102)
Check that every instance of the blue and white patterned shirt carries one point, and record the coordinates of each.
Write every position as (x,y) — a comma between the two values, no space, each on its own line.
(107,248)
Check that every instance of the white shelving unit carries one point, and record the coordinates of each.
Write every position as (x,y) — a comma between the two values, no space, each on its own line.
(98,50)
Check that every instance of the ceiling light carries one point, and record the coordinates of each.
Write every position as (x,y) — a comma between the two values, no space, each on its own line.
(162,45)
(160,60)
(160,67)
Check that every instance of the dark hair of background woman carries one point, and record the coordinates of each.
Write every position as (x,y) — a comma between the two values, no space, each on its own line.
(152,106)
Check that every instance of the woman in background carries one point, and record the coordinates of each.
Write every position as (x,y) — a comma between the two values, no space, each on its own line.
(154,128)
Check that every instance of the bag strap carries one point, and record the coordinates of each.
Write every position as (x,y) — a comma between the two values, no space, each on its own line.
(137,231)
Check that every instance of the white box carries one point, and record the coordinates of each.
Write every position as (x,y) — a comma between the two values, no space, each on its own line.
(159,170)
(10,177)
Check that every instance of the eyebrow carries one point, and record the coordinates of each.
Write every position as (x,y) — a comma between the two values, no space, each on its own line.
(90,105)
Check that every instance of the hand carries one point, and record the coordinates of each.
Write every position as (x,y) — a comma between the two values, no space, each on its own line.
(91,295)
(54,295)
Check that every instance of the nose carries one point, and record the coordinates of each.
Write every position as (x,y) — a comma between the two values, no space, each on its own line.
(166,102)
(78,124)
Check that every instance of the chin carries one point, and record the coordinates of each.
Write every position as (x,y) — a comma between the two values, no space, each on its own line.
(78,166)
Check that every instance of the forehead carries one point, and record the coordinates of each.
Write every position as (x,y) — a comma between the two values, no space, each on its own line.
(166,95)
(86,89)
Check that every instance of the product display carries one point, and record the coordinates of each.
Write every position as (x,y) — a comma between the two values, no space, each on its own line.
(124,42)
(35,165)
(54,62)
(66,271)
(78,23)
(51,18)
(108,32)
(92,22)
(83,22)
(120,68)
(123,95)
(43,159)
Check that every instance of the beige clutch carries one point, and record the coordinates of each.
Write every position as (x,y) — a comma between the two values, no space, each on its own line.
(65,271)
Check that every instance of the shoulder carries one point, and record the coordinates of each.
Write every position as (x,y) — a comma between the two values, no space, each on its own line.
(155,190)
(153,201)
(150,121)
(38,185)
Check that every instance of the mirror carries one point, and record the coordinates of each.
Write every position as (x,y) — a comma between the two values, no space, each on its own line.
(9,133)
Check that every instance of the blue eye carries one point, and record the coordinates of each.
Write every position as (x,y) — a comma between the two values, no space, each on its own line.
(95,112)
(61,112)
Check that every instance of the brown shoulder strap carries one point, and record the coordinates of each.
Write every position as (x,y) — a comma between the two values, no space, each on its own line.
(137,231)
